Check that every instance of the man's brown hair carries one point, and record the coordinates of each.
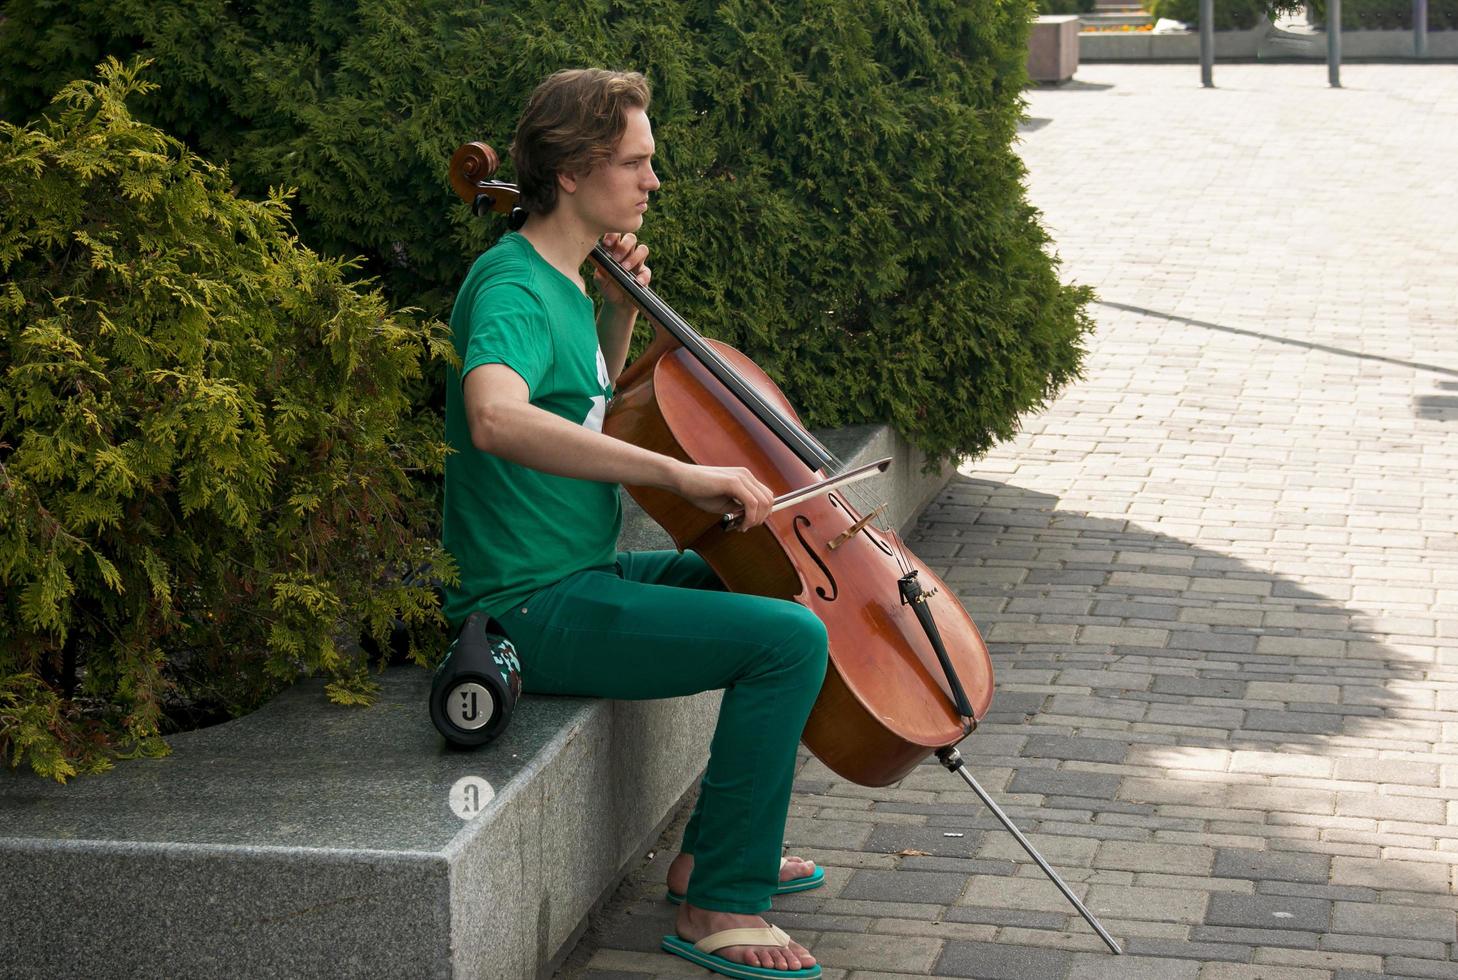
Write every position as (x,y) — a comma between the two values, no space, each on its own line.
(571,123)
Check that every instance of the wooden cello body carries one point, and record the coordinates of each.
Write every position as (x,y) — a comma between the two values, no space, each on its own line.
(897,689)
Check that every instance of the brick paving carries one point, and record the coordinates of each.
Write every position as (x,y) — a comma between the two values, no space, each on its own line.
(1219,576)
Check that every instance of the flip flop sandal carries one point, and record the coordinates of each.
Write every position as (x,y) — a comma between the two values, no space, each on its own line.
(806,883)
(703,953)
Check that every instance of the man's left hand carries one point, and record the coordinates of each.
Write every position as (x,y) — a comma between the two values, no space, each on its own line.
(631,255)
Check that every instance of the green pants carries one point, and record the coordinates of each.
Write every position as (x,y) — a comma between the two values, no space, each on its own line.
(659,625)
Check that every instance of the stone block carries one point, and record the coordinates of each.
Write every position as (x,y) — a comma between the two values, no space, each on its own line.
(1268,912)
(1397,921)
(822,832)
(1220,642)
(1397,771)
(280,842)
(1387,874)
(894,954)
(1199,793)
(1020,918)
(1280,763)
(1085,706)
(1131,609)
(1255,937)
(1406,966)
(1275,691)
(1319,959)
(1101,966)
(1199,952)
(1063,852)
(1246,971)
(1124,636)
(1157,904)
(891,838)
(985,961)
(1233,862)
(1079,748)
(1053,48)
(902,886)
(1309,722)
(1032,894)
(1190,716)
(936,929)
(1174,859)
(1383,945)
(288,842)
(1061,782)
(965,866)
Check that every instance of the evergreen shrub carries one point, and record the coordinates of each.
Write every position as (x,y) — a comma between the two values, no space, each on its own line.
(206,443)
(1230,15)
(1389,15)
(1065,6)
(841,197)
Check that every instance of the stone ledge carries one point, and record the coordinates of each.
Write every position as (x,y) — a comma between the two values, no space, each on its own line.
(1263,43)
(1147,46)
(307,839)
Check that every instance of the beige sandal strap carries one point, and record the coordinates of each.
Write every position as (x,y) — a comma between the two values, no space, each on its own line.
(773,936)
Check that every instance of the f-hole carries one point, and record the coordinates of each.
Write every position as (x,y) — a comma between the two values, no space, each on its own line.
(801,522)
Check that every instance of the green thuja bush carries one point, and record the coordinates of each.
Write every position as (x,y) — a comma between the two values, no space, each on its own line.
(207,447)
(1229,14)
(1065,6)
(841,197)
(1389,15)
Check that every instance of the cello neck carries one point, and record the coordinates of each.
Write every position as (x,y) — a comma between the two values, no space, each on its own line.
(801,443)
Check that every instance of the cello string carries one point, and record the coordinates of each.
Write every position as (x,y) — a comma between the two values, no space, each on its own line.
(863,500)
(649,303)
(859,495)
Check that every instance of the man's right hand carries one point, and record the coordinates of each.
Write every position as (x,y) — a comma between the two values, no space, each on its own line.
(723,490)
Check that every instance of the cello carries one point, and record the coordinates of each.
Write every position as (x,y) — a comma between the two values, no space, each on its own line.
(909,674)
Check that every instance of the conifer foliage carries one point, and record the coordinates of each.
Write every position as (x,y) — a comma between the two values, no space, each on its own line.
(841,197)
(207,445)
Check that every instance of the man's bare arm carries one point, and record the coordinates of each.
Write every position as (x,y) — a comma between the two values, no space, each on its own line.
(504,423)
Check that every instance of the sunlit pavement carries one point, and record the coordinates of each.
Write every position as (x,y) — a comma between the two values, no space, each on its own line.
(1219,576)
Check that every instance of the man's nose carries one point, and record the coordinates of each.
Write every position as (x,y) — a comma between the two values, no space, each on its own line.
(651,184)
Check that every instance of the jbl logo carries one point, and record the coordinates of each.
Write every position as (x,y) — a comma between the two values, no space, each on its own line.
(470,706)
(469,709)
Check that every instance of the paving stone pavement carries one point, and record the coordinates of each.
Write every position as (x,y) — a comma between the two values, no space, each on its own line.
(1219,576)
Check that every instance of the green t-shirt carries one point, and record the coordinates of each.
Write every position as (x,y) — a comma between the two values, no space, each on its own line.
(514,530)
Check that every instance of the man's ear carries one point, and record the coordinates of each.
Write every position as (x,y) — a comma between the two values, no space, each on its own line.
(567,183)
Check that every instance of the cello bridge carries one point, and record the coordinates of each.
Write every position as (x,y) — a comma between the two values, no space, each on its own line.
(855,528)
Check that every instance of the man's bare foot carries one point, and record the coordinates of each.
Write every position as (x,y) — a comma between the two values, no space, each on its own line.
(695,923)
(682,869)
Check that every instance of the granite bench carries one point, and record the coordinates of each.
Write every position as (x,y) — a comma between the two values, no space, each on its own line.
(310,839)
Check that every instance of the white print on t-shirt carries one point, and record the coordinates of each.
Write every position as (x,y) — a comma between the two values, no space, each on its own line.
(599,402)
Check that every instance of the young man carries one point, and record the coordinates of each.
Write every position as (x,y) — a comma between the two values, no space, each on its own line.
(532,517)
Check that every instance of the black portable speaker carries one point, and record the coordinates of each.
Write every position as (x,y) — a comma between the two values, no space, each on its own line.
(476,685)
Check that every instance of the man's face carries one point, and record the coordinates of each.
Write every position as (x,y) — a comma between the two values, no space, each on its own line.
(613,195)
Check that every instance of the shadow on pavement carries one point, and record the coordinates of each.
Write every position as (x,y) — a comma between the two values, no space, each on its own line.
(1190,741)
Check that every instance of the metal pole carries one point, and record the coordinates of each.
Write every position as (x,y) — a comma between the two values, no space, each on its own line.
(1207,43)
(1420,28)
(1334,42)
(952,759)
